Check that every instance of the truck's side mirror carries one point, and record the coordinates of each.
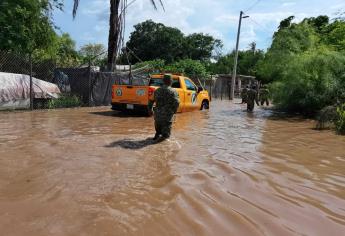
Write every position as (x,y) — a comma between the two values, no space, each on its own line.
(200,89)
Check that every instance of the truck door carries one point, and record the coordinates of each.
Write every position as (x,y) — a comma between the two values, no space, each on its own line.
(190,95)
(177,86)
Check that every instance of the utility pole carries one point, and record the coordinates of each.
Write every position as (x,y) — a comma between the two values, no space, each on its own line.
(234,71)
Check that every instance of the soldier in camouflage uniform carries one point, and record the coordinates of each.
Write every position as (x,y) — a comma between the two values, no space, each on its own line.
(252,96)
(244,93)
(167,103)
(264,95)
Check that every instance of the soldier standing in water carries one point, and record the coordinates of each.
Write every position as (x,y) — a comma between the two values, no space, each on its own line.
(252,96)
(264,95)
(167,103)
(244,94)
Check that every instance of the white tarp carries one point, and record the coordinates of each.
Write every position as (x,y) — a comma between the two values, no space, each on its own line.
(15,90)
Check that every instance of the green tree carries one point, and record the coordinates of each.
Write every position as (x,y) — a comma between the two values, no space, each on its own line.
(319,22)
(62,50)
(152,40)
(306,65)
(247,62)
(191,68)
(311,80)
(199,46)
(334,35)
(154,66)
(116,23)
(66,53)
(286,23)
(287,43)
(91,51)
(25,25)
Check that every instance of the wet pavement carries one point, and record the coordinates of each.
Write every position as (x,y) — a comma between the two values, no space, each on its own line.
(90,171)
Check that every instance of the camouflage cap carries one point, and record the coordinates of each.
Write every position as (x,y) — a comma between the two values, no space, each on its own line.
(167,79)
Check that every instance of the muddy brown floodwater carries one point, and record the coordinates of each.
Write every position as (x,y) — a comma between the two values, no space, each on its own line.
(90,171)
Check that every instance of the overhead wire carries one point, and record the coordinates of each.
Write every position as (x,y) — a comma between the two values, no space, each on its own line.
(264,28)
(260,25)
(252,6)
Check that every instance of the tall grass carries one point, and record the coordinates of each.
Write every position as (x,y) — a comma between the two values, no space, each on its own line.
(65,101)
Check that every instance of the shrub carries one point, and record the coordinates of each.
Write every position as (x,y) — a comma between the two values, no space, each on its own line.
(65,101)
(327,117)
(151,66)
(340,123)
(310,82)
(191,68)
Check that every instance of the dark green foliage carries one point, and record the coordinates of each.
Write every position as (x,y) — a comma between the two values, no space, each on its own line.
(334,35)
(65,101)
(25,25)
(319,23)
(200,46)
(306,64)
(286,23)
(154,66)
(151,41)
(62,50)
(340,123)
(247,62)
(326,117)
(287,43)
(191,68)
(310,81)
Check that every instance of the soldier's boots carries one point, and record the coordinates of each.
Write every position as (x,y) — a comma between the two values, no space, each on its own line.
(156,137)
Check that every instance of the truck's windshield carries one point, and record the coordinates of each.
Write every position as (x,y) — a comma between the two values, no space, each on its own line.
(158,82)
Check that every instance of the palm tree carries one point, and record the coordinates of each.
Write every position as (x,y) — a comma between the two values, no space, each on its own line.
(116,25)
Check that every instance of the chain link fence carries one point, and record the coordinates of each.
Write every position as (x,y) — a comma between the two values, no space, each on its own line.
(93,87)
(21,63)
(86,82)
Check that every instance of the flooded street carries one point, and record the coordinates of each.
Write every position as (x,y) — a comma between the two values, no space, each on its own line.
(91,171)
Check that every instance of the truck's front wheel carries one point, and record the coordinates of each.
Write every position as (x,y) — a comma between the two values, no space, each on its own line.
(205,105)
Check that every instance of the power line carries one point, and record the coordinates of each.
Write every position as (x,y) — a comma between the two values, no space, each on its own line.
(261,26)
(254,5)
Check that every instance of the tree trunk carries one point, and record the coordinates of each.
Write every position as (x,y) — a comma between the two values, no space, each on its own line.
(114,30)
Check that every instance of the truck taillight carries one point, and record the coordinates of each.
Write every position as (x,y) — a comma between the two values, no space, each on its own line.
(151,91)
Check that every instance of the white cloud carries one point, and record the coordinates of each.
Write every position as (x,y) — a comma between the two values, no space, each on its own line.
(289,4)
(217,18)
(95,7)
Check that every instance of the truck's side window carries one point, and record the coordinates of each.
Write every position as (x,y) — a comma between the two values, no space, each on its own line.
(156,82)
(190,85)
(176,83)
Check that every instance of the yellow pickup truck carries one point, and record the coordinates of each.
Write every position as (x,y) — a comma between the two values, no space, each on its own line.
(131,97)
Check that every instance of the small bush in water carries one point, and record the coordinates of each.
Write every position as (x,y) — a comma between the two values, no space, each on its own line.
(340,123)
(327,117)
(64,101)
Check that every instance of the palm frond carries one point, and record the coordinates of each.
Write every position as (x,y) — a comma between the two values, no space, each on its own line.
(155,6)
(75,7)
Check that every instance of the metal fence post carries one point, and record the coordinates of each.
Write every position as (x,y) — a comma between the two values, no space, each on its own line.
(89,81)
(31,89)
(211,86)
(221,89)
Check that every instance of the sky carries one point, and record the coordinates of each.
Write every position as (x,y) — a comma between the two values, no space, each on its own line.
(218,18)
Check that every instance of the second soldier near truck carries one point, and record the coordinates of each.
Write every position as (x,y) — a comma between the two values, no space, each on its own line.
(252,96)
(167,103)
